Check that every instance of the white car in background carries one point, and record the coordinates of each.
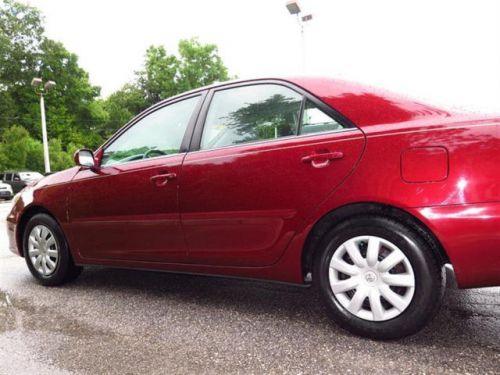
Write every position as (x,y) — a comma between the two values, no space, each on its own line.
(6,191)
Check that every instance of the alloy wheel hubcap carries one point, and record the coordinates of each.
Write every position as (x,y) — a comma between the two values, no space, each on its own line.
(43,250)
(372,278)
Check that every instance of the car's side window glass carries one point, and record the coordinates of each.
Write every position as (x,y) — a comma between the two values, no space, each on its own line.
(159,133)
(249,114)
(16,177)
(8,176)
(314,120)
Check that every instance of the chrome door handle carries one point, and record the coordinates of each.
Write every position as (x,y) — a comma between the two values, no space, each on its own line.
(163,179)
(322,159)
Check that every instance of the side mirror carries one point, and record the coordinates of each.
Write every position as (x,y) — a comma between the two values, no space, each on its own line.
(84,158)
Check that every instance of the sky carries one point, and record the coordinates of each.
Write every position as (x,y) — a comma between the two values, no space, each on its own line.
(444,52)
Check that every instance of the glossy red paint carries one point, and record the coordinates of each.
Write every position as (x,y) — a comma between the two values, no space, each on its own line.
(241,205)
(424,164)
(140,222)
(248,210)
(471,232)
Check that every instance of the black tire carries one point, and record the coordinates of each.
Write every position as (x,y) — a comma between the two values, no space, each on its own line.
(428,277)
(65,269)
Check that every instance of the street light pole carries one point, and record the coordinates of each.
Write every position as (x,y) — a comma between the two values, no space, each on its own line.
(294,9)
(46,159)
(41,90)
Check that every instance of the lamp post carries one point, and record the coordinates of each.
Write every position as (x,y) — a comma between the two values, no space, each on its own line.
(41,89)
(294,9)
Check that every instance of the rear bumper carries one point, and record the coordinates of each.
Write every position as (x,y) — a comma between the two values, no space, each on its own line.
(470,235)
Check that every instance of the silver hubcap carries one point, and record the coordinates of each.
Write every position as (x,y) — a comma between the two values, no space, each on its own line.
(43,250)
(372,278)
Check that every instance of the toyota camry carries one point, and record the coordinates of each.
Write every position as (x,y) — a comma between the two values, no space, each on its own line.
(363,195)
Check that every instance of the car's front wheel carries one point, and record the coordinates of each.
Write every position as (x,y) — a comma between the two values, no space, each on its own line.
(378,277)
(46,252)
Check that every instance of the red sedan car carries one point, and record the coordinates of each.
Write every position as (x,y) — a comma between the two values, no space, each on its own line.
(362,194)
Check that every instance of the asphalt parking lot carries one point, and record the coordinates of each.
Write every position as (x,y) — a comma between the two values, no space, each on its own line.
(130,322)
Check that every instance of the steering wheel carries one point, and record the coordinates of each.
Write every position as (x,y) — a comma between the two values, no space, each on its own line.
(152,153)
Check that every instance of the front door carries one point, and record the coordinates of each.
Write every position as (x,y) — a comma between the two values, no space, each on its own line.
(267,157)
(127,208)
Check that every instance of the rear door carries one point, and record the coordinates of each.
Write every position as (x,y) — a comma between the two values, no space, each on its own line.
(265,157)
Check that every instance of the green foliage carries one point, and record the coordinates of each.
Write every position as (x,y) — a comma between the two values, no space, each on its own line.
(167,75)
(120,107)
(164,75)
(19,151)
(72,109)
(75,114)
(199,65)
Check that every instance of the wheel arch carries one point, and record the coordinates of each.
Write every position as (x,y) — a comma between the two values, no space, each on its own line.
(349,211)
(25,218)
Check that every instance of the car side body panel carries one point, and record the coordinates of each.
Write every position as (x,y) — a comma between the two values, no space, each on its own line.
(461,210)
(241,205)
(139,221)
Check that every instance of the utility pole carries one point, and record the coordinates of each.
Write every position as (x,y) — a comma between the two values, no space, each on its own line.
(41,89)
(294,9)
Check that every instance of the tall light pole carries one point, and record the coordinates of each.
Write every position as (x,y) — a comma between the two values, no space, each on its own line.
(41,89)
(294,9)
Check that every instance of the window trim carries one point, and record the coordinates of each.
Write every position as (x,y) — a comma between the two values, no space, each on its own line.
(200,124)
(187,133)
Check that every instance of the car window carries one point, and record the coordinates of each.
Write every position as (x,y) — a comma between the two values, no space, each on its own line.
(8,176)
(16,177)
(159,133)
(314,120)
(249,114)
(1,176)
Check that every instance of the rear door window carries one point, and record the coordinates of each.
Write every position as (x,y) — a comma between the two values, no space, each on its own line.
(314,120)
(250,114)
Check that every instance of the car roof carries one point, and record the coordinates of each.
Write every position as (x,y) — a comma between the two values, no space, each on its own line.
(361,104)
(365,105)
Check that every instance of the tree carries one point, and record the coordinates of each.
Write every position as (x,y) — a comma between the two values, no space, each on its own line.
(21,33)
(19,151)
(121,106)
(157,80)
(73,110)
(199,65)
(72,106)
(75,113)
(164,75)
(167,75)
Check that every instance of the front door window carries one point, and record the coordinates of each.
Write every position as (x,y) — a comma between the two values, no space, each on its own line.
(159,133)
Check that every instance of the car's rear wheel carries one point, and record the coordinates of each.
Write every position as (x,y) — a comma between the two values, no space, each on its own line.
(46,252)
(378,277)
